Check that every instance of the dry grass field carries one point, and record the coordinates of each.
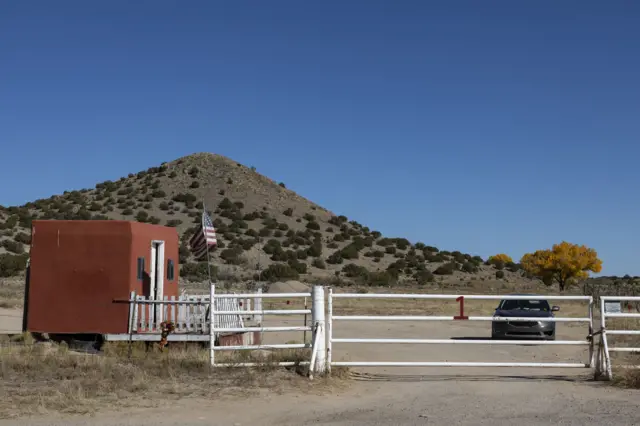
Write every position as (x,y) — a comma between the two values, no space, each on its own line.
(45,378)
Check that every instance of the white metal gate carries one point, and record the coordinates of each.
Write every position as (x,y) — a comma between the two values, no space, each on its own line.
(333,318)
(611,307)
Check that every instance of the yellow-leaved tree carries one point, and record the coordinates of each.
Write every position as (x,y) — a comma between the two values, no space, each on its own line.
(500,257)
(564,263)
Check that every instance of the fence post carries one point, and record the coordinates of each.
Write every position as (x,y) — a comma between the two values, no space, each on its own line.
(592,338)
(329,328)
(317,314)
(132,321)
(212,324)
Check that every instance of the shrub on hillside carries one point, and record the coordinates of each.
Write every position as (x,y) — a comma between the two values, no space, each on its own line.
(232,256)
(272,246)
(246,244)
(186,198)
(319,263)
(270,223)
(9,223)
(238,224)
(174,223)
(379,279)
(315,250)
(446,269)
(197,271)
(434,258)
(499,274)
(469,267)
(423,277)
(265,232)
(183,252)
(402,243)
(513,267)
(335,258)
(225,204)
(354,271)
(349,252)
(313,225)
(142,216)
(13,246)
(299,267)
(11,264)
(195,184)
(279,271)
(22,237)
(384,242)
(251,216)
(338,220)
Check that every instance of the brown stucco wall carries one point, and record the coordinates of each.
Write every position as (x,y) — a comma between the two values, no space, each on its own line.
(77,269)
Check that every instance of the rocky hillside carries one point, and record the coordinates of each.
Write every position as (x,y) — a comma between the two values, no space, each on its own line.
(265,230)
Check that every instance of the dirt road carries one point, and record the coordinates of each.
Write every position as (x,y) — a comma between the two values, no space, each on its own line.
(415,396)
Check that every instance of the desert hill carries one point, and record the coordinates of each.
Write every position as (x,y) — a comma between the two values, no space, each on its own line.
(264,230)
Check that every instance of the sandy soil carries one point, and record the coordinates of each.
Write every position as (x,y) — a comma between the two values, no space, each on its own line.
(415,396)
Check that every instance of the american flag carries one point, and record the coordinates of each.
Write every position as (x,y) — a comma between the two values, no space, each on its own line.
(203,238)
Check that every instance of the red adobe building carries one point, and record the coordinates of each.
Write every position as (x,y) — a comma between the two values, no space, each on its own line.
(79,268)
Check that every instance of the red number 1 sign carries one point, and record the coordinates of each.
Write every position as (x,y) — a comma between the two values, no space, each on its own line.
(462,316)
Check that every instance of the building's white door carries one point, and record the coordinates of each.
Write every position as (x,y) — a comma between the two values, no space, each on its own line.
(156,275)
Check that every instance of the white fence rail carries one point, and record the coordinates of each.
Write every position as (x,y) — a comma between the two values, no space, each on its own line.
(207,317)
(611,307)
(588,341)
(317,319)
(188,313)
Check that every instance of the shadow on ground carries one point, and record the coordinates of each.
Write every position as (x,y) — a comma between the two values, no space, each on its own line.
(410,378)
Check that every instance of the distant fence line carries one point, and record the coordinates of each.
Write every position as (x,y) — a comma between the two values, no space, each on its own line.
(613,288)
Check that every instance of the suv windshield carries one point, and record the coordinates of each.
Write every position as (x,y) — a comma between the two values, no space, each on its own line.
(528,305)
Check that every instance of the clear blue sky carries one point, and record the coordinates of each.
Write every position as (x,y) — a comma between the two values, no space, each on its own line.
(483,126)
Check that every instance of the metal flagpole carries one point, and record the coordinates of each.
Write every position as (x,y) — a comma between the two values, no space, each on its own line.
(212,308)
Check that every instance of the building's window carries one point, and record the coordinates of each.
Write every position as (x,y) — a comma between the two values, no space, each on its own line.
(170,270)
(140,268)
